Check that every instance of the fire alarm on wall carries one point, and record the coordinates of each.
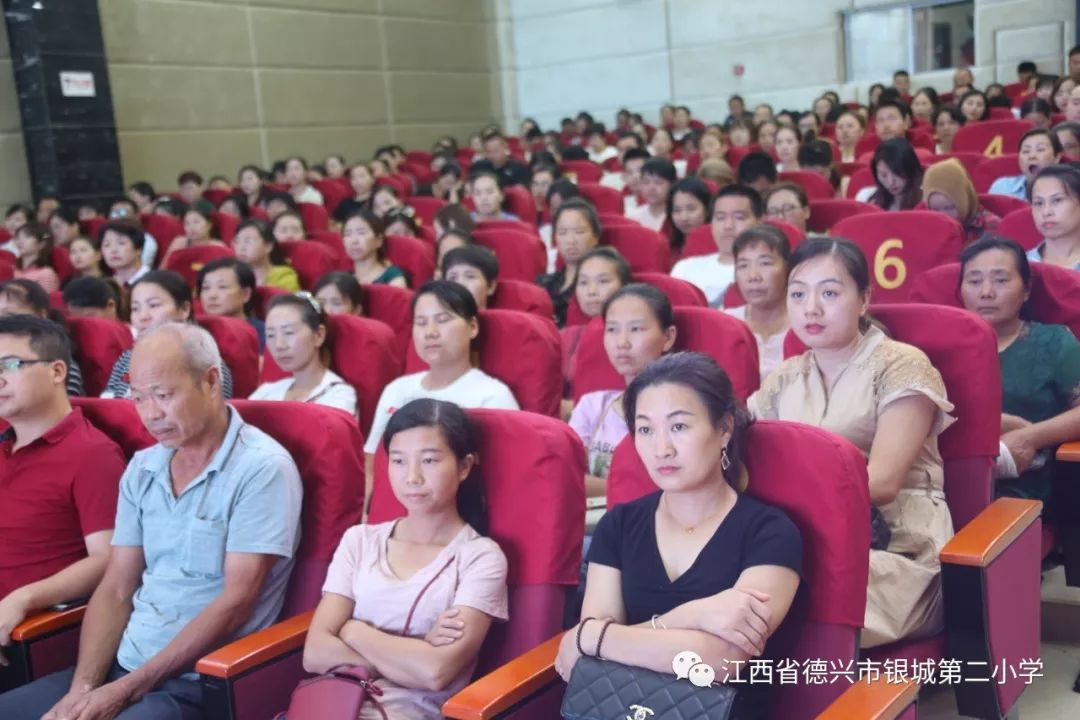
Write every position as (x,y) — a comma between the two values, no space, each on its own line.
(739,70)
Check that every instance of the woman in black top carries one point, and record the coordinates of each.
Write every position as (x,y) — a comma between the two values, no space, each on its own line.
(697,565)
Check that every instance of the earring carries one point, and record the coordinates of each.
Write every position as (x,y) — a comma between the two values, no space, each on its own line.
(725,461)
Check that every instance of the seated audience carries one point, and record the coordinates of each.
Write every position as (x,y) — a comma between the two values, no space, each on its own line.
(577,231)
(717,172)
(449,183)
(339,293)
(452,239)
(58,512)
(887,399)
(335,166)
(687,208)
(362,183)
(599,150)
(297,336)
(1039,148)
(198,230)
(1037,112)
(657,177)
(766,136)
(25,297)
(275,202)
(924,104)
(712,145)
(235,206)
(734,209)
(849,130)
(122,243)
(191,186)
(633,161)
(384,199)
(1055,208)
(92,297)
(86,258)
(225,286)
(452,217)
(487,197)
(788,141)
(287,227)
(250,182)
(639,327)
(14,218)
(159,297)
(296,170)
(365,244)
(445,323)
(897,177)
(762,254)
(661,571)
(63,226)
(543,175)
(218,561)
(1060,93)
(255,245)
(401,221)
(947,120)
(34,248)
(437,549)
(476,268)
(947,189)
(1068,134)
(662,145)
(1040,367)
(142,195)
(788,202)
(496,159)
(757,171)
(974,106)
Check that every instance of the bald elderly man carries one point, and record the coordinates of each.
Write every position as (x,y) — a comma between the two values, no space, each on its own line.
(206,528)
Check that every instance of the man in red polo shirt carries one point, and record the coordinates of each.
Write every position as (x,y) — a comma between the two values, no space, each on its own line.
(59,478)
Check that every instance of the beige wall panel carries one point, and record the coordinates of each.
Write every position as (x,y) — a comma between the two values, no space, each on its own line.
(315,39)
(421,137)
(14,177)
(355,143)
(147,31)
(9,99)
(5,50)
(350,6)
(156,98)
(443,9)
(160,156)
(424,45)
(322,98)
(440,97)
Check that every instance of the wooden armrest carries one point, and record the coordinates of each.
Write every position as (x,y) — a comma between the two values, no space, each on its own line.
(1069,452)
(47,622)
(502,688)
(257,648)
(878,700)
(992,530)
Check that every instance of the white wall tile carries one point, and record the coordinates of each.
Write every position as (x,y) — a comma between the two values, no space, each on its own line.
(630,28)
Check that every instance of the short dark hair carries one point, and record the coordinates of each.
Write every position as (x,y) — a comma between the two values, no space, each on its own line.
(1035,104)
(127,228)
(900,73)
(757,205)
(902,107)
(953,112)
(848,253)
(311,314)
(245,277)
(756,165)
(596,128)
(997,242)
(799,192)
(48,340)
(453,297)
(1055,142)
(26,292)
(280,196)
(374,222)
(277,255)
(658,302)
(661,168)
(346,284)
(636,153)
(1026,66)
(456,216)
(476,256)
(171,282)
(1075,50)
(583,206)
(1068,174)
(143,188)
(764,234)
(689,186)
(1069,127)
(89,292)
(613,256)
(189,176)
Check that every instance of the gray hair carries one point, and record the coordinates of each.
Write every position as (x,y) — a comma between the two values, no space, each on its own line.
(196,343)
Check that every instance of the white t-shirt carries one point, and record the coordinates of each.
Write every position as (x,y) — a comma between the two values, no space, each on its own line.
(643,215)
(607,153)
(708,273)
(474,389)
(331,391)
(309,195)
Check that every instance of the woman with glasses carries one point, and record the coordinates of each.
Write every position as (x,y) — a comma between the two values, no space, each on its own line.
(788,202)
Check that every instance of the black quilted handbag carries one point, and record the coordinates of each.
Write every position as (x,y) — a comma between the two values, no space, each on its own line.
(606,690)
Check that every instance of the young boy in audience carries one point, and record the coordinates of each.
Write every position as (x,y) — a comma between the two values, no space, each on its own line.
(91,297)
(892,120)
(58,508)
(634,160)
(657,177)
(758,171)
(599,150)
(497,160)
(191,190)
(475,267)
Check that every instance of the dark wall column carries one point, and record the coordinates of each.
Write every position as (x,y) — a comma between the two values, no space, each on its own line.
(62,79)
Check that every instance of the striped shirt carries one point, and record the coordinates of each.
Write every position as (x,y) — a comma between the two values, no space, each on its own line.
(118,386)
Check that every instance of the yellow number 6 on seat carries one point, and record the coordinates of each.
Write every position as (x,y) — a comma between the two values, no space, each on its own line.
(883,262)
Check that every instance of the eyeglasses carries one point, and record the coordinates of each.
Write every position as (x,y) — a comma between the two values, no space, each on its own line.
(13,364)
(783,211)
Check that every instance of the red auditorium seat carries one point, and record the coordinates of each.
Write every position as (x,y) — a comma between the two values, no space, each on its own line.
(62,263)
(521,296)
(393,306)
(311,260)
(582,171)
(422,157)
(860,178)
(1002,205)
(604,199)
(970,160)
(91,227)
(721,336)
(991,137)
(680,293)
(531,523)
(426,207)
(164,229)
(7,272)
(262,297)
(336,245)
(646,250)
(513,225)
(1019,225)
(609,219)
(333,192)
(519,201)
(225,226)
(363,355)
(239,346)
(98,344)
(826,213)
(412,255)
(189,261)
(522,256)
(700,240)
(992,168)
(900,245)
(216,197)
(507,336)
(398,182)
(314,216)
(815,186)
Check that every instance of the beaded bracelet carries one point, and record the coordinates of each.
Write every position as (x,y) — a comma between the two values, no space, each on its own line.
(580,627)
(600,640)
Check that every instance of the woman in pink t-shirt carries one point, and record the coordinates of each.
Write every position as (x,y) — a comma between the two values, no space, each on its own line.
(35,248)
(412,599)
(639,327)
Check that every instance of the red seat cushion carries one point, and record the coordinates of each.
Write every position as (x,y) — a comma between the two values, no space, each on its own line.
(519,201)
(582,171)
(98,344)
(826,213)
(646,250)
(521,296)
(310,259)
(521,255)
(426,208)
(239,346)
(1002,205)
(815,186)
(393,306)
(604,199)
(262,297)
(1019,225)
(680,293)
(314,216)
(414,256)
(225,226)
(992,168)
(991,137)
(189,261)
(119,420)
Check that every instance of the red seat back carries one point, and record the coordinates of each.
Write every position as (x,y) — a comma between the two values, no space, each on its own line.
(216,196)
(860,179)
(393,306)
(332,240)
(970,160)
(515,225)
(582,171)
(507,336)
(225,226)
(398,182)
(519,201)
(1019,225)
(262,297)
(426,208)
(98,344)
(992,168)
(363,355)
(119,420)
(900,245)
(604,199)
(333,192)
(537,524)
(991,137)
(815,186)
(680,293)
(412,255)
(1002,205)
(724,338)
(826,213)
(239,346)
(189,261)
(164,229)
(699,242)
(314,216)
(311,260)
(523,297)
(91,227)
(62,263)
(646,250)
(522,256)
(829,504)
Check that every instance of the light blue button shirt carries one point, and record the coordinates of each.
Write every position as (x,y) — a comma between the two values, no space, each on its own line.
(246,500)
(1013,185)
